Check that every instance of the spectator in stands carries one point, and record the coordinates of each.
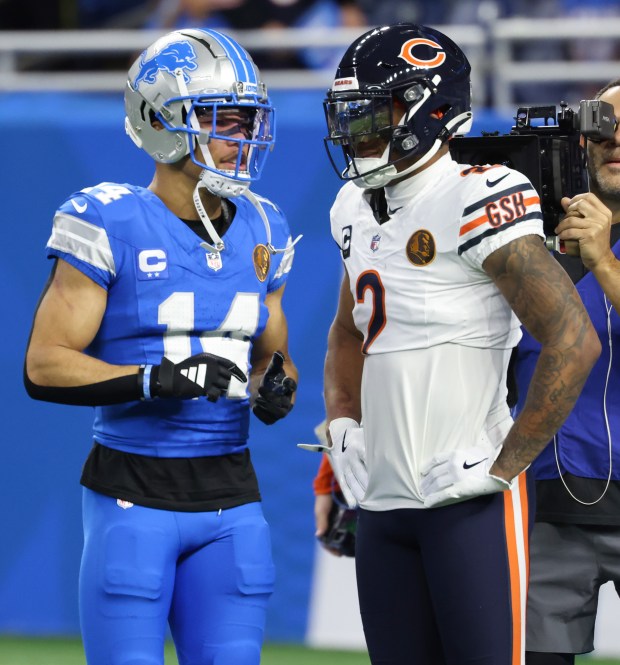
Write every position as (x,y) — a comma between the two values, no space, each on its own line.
(108,13)
(590,50)
(18,15)
(265,14)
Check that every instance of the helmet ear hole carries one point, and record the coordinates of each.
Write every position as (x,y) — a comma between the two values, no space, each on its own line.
(156,123)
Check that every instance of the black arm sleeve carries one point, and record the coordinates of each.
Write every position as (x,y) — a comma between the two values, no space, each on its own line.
(114,391)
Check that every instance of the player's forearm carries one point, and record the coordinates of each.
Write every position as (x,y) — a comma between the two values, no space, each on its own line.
(343,375)
(607,274)
(66,376)
(63,367)
(555,386)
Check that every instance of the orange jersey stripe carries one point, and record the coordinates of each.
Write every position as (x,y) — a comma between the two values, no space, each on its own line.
(517,602)
(483,218)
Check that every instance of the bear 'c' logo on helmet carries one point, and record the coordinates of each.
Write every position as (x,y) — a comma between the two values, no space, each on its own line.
(406,53)
(178,55)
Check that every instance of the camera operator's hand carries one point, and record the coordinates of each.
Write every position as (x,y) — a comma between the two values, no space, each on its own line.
(201,375)
(585,230)
(275,393)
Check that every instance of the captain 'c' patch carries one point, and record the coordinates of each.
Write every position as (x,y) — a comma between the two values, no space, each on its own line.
(421,248)
(262,261)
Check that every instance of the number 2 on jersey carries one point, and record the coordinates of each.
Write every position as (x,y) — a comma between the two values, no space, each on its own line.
(370,281)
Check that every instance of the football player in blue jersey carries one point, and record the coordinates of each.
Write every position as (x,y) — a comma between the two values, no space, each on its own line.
(575,545)
(164,312)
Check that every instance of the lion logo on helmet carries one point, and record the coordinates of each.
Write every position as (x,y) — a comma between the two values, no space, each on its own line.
(177,55)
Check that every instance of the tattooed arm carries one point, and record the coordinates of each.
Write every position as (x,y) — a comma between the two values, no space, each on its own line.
(547,304)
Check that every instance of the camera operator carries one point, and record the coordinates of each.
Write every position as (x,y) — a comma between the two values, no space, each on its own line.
(575,544)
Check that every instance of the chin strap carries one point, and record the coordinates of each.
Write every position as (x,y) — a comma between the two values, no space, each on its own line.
(218,244)
(253,199)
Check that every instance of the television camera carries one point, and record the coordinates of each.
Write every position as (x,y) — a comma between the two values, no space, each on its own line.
(547,147)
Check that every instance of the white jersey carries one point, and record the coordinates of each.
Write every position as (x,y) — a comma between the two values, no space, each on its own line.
(437,331)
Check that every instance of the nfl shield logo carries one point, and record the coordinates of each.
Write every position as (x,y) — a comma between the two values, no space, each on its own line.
(214,261)
(374,243)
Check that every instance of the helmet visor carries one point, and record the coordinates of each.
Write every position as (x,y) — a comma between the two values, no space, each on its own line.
(225,122)
(350,121)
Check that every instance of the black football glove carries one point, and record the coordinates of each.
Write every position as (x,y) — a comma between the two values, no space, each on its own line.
(275,392)
(202,375)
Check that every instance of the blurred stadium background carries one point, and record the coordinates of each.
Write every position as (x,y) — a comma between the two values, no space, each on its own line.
(61,119)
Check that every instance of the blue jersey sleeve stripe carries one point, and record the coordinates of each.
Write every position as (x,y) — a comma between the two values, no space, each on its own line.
(84,241)
(243,69)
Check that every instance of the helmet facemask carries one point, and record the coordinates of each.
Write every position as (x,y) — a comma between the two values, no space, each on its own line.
(420,131)
(245,125)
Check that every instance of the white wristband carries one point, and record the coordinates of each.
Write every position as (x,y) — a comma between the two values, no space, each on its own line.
(146,382)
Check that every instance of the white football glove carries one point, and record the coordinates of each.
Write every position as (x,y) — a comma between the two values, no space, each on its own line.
(460,475)
(347,455)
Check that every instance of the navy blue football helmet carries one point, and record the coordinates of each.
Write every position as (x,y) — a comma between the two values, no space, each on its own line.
(413,69)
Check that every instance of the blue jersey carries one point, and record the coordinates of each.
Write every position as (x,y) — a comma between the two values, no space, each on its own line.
(168,295)
(583,440)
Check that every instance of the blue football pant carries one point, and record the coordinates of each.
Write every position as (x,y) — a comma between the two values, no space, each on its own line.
(445,586)
(207,575)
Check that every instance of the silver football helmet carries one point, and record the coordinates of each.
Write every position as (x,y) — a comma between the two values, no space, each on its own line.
(184,80)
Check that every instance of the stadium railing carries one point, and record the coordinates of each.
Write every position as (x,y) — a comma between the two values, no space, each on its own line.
(27,57)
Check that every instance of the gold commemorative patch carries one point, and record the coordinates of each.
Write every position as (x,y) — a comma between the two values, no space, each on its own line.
(261,262)
(421,248)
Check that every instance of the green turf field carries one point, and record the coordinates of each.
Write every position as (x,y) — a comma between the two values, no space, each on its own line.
(33,651)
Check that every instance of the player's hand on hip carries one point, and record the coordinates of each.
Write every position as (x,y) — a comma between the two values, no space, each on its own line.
(347,454)
(201,375)
(460,475)
(275,393)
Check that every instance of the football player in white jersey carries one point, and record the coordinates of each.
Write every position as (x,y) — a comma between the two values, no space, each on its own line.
(442,261)
(164,312)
